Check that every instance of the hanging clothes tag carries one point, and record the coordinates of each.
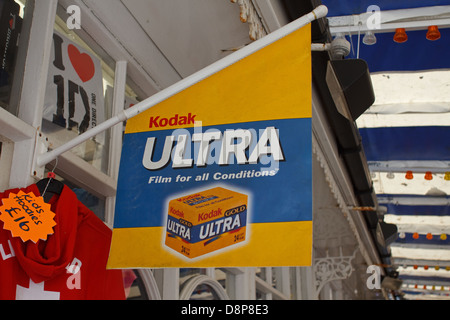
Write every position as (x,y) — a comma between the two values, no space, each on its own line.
(27,217)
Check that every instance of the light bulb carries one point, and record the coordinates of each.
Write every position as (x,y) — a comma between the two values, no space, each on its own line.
(400,35)
(369,38)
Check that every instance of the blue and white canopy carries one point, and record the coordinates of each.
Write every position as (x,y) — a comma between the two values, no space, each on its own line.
(406,133)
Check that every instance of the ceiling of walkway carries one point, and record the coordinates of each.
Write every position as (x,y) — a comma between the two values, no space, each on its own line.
(406,134)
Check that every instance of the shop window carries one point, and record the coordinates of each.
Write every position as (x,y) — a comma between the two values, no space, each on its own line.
(92,202)
(74,98)
(79,94)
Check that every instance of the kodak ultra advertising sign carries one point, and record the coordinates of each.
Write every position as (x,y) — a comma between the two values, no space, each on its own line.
(219,175)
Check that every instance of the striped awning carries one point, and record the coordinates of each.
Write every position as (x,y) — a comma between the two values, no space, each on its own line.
(406,135)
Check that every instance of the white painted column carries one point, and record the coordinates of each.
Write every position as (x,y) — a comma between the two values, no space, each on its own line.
(168,281)
(241,283)
(283,280)
(308,291)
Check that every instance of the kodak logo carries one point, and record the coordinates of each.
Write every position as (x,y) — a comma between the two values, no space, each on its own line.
(209,215)
(177,120)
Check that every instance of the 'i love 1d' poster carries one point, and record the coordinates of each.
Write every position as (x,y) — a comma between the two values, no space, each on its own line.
(74,99)
(219,175)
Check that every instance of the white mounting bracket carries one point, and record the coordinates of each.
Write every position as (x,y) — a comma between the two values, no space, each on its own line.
(41,146)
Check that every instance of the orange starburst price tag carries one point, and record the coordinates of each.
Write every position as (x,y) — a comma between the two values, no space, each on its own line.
(27,217)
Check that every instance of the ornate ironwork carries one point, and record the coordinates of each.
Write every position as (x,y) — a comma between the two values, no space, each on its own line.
(328,269)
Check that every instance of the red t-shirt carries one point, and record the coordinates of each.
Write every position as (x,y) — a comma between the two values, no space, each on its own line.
(70,265)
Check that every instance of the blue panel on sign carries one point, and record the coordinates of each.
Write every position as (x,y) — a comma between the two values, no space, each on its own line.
(139,187)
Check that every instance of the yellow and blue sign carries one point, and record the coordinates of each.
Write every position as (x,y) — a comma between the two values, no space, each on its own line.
(236,149)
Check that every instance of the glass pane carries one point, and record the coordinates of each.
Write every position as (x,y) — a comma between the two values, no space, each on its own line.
(11,18)
(79,94)
(6,152)
(92,202)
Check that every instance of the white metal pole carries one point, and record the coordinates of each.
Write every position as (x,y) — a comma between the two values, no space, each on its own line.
(319,12)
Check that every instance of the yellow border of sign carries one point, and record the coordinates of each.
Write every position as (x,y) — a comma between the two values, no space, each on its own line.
(267,246)
(219,99)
